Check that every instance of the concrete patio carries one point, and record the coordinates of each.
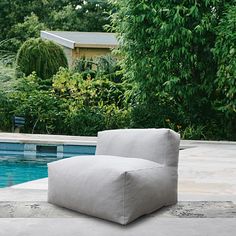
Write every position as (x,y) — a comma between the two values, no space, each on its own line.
(207,202)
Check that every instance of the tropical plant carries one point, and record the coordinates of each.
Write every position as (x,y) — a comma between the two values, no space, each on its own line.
(42,56)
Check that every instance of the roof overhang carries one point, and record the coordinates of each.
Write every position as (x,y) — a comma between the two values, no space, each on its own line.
(94,46)
(72,44)
(60,40)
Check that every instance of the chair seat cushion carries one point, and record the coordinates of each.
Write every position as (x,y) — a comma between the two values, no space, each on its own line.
(111,187)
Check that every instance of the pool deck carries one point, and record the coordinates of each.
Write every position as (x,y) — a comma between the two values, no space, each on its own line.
(207,174)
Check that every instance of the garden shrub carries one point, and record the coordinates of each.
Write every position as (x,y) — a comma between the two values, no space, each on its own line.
(88,120)
(108,66)
(72,105)
(22,31)
(156,113)
(40,108)
(42,56)
(7,68)
(167,47)
(225,53)
(85,67)
(89,92)
(104,66)
(6,111)
(91,105)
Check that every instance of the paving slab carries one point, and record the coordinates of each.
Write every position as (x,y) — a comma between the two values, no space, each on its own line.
(19,195)
(206,207)
(95,227)
(200,209)
(206,172)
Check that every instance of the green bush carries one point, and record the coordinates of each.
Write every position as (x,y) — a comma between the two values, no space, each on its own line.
(23,31)
(40,108)
(42,56)
(104,66)
(7,107)
(72,105)
(155,113)
(168,48)
(91,105)
(85,67)
(88,120)
(109,67)
(7,67)
(89,92)
(225,53)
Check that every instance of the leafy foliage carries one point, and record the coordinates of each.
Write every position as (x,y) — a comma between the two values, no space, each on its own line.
(164,50)
(84,16)
(167,48)
(34,15)
(7,68)
(109,67)
(89,92)
(21,32)
(91,105)
(225,52)
(6,111)
(14,12)
(86,67)
(42,56)
(71,106)
(105,66)
(178,58)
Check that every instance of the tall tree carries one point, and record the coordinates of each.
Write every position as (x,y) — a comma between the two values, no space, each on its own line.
(90,15)
(14,11)
(71,15)
(167,49)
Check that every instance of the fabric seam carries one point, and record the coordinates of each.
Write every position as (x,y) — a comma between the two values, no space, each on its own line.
(124,197)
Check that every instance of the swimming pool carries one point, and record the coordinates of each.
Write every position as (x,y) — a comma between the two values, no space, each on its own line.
(16,170)
(18,166)
(24,157)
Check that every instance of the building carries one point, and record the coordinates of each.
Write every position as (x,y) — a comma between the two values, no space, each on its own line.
(82,44)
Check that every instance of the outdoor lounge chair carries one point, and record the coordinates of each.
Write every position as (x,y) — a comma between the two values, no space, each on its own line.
(133,173)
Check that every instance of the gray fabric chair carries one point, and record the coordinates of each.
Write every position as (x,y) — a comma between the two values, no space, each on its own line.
(133,173)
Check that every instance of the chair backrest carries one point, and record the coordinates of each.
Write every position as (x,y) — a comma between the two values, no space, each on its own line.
(159,145)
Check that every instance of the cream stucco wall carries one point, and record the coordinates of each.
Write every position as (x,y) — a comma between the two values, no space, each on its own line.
(68,53)
(73,54)
(90,52)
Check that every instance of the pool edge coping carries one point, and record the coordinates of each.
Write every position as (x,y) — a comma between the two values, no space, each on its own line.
(47,139)
(84,140)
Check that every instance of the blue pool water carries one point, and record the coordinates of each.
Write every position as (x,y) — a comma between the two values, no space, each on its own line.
(16,170)
(16,166)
